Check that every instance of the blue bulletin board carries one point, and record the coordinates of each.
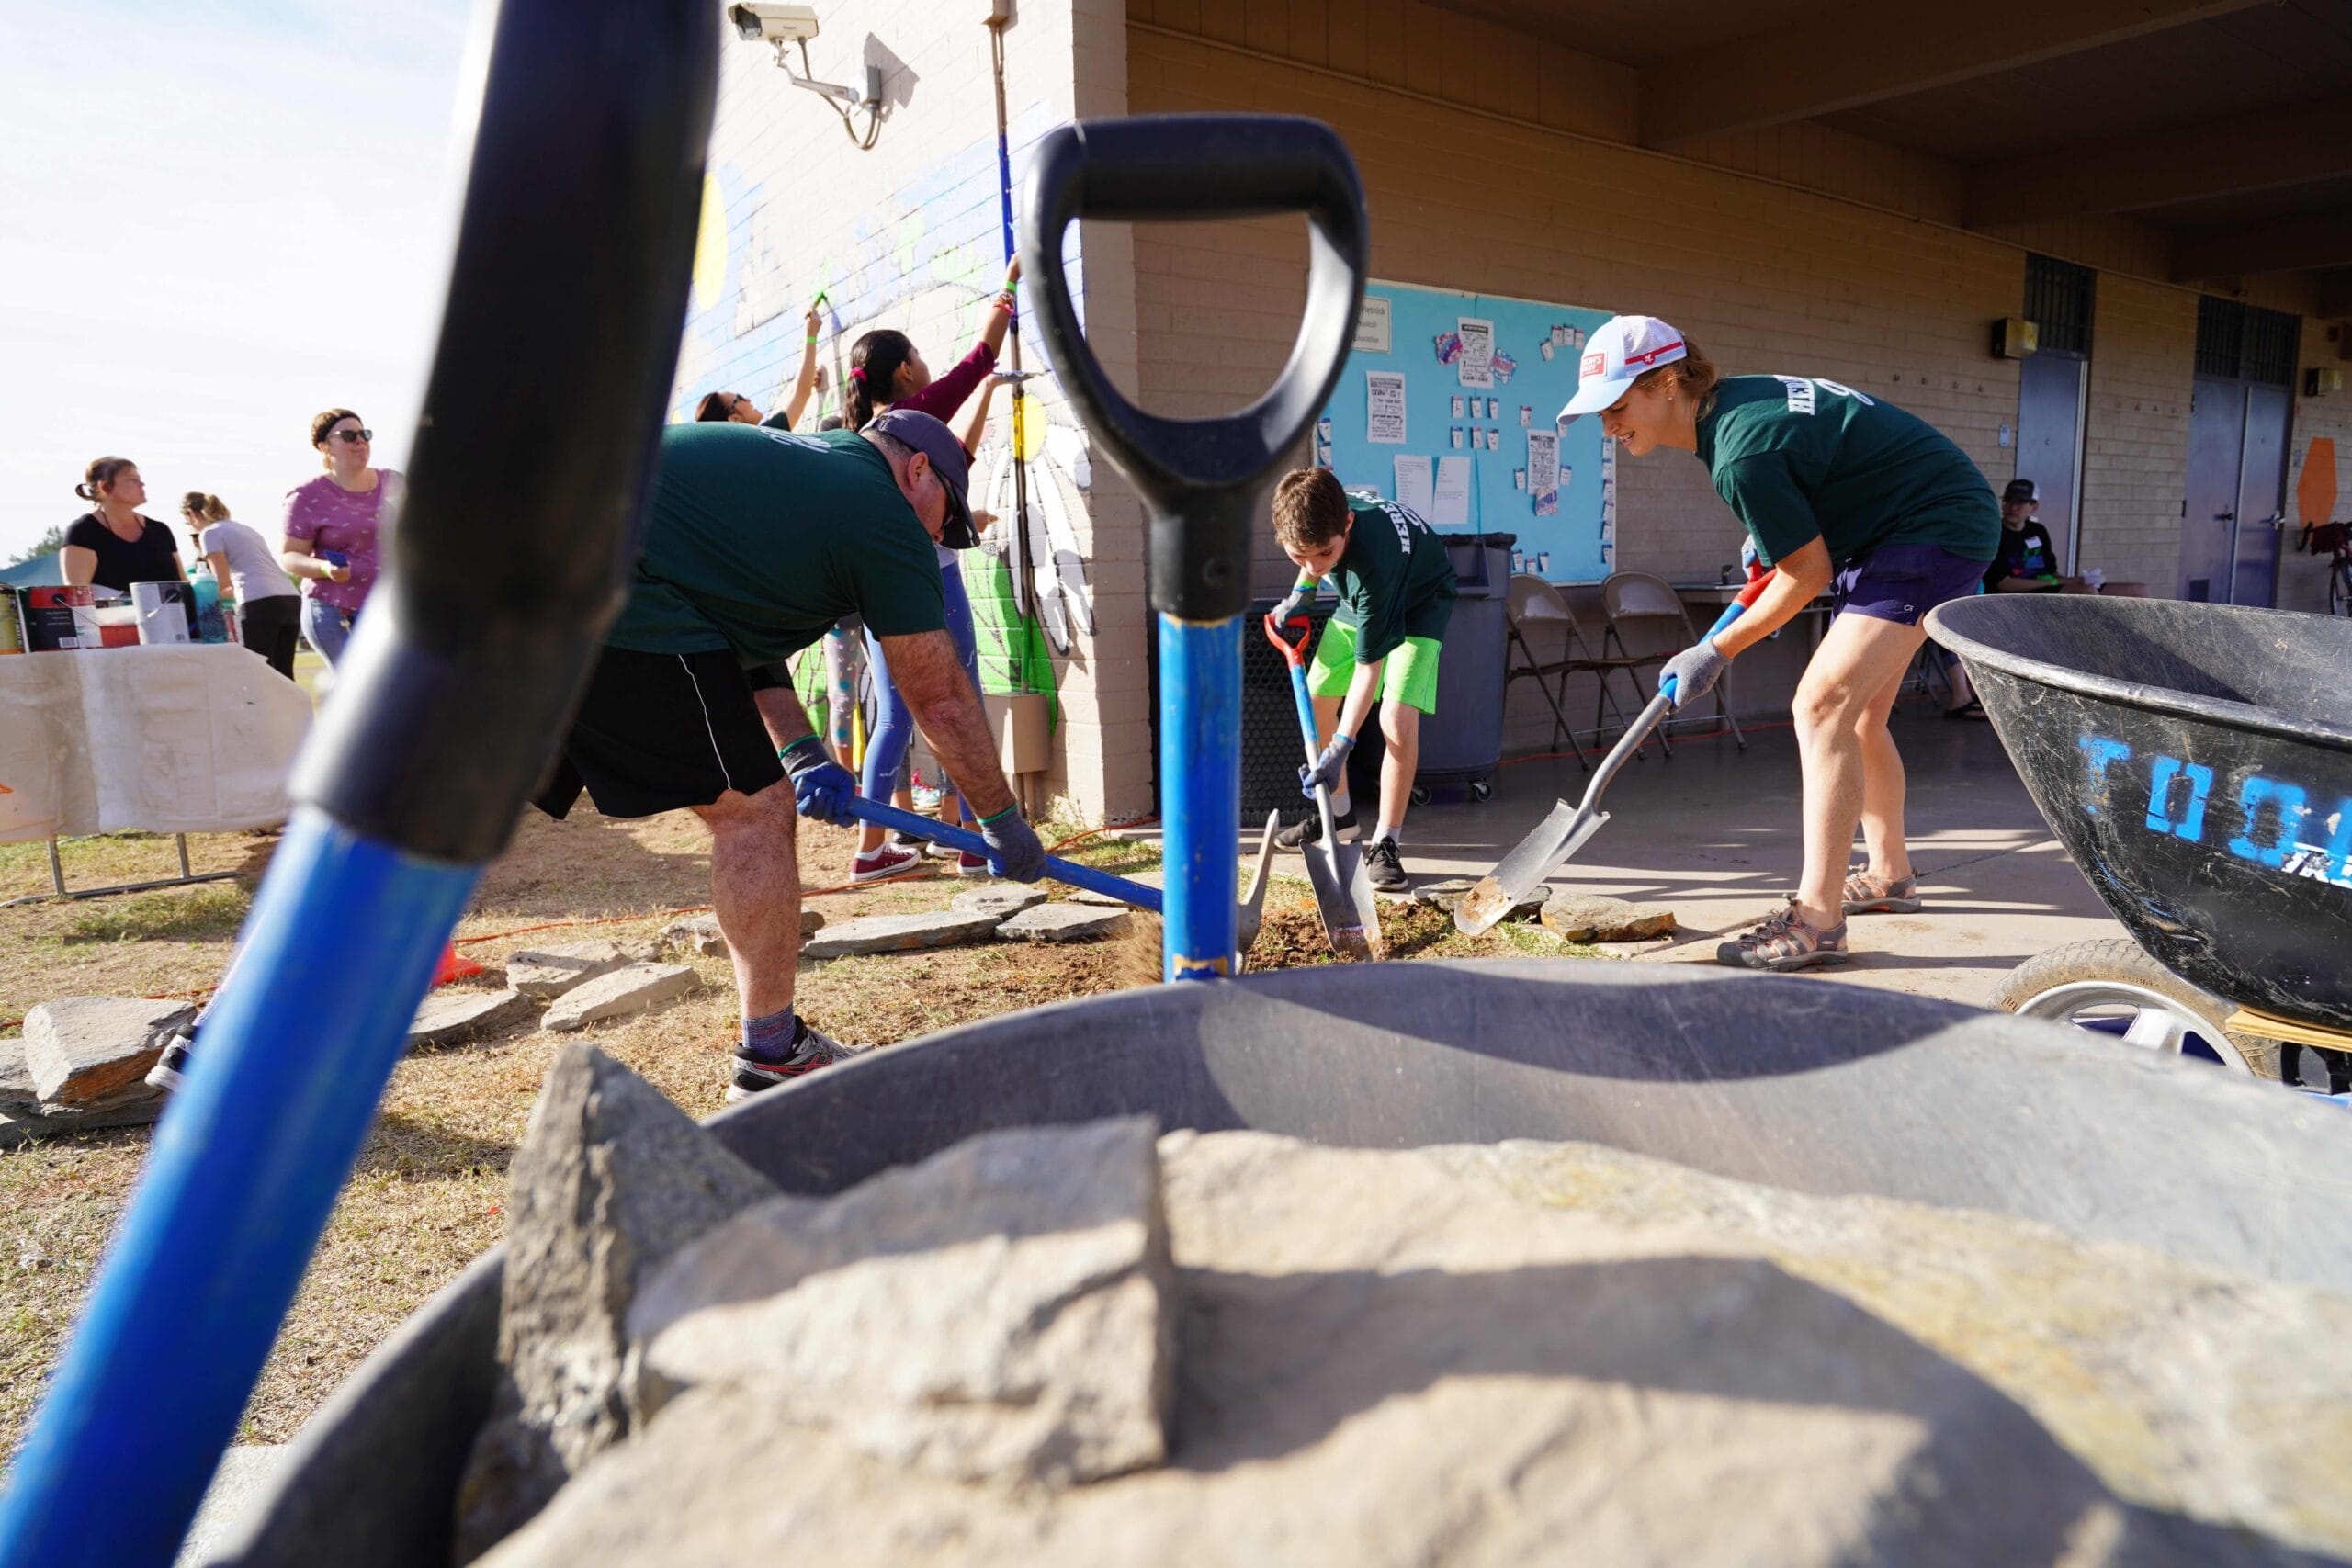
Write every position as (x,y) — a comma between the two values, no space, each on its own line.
(1430,338)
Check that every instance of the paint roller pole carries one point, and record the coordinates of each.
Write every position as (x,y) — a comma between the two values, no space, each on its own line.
(1201,481)
(461,674)
(1017,543)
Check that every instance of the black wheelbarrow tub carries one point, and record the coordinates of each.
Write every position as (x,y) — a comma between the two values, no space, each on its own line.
(2195,760)
(1795,1082)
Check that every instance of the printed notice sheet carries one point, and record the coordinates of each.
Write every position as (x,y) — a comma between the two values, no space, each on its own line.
(1384,401)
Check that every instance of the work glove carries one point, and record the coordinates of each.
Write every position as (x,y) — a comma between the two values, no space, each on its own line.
(1327,770)
(1014,853)
(1292,605)
(821,787)
(1691,674)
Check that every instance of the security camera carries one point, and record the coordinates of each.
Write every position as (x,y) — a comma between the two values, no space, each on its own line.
(759,21)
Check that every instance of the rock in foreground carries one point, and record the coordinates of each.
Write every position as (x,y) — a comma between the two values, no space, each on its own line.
(1593,917)
(610,1181)
(1440,1357)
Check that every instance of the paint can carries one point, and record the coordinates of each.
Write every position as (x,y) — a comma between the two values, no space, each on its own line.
(61,619)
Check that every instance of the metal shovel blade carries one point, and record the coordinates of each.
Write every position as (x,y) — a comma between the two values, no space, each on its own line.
(1253,903)
(1522,870)
(1343,897)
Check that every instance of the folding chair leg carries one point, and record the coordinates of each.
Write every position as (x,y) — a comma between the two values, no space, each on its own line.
(1560,724)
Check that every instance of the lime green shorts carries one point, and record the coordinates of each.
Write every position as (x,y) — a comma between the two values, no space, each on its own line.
(1410,677)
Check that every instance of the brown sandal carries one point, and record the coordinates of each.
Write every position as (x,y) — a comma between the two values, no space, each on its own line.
(1782,942)
(1868,895)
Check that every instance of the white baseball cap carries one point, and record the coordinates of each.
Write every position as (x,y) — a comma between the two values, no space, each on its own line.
(1620,349)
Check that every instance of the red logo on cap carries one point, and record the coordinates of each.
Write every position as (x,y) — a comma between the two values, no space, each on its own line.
(1592,363)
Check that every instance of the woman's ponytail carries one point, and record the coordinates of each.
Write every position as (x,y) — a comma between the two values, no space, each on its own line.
(875,362)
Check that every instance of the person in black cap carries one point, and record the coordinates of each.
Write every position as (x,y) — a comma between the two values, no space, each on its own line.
(2027,562)
(757,541)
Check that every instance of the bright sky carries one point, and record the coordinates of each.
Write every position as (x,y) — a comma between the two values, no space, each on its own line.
(217,218)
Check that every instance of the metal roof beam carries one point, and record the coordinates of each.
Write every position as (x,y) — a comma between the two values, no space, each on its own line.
(1869,53)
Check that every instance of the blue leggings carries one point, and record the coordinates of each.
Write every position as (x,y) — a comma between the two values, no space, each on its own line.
(894,727)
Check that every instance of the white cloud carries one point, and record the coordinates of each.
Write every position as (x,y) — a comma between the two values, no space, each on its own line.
(219,218)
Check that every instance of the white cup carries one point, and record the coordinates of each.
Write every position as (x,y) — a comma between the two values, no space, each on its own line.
(2096,578)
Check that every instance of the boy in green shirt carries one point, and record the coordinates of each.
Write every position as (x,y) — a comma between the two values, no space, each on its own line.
(1395,588)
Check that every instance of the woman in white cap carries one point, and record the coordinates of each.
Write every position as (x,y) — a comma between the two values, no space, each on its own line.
(1842,493)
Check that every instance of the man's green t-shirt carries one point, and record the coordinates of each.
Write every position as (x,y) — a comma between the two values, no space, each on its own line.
(757,540)
(1797,459)
(1394,579)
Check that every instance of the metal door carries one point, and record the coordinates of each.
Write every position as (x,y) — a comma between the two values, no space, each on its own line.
(2049,423)
(2216,464)
(2262,495)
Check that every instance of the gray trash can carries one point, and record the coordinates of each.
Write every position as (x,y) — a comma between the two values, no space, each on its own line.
(1462,743)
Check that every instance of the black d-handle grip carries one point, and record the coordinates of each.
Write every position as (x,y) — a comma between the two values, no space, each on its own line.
(1200,478)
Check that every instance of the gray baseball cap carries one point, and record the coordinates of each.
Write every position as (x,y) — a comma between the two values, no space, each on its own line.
(938,443)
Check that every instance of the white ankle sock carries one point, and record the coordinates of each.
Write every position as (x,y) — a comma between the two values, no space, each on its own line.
(1340,803)
(1393,835)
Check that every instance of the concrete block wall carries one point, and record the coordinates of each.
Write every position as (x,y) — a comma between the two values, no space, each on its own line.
(2135,462)
(907,235)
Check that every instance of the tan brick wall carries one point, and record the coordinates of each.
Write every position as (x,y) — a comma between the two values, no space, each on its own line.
(2135,461)
(906,236)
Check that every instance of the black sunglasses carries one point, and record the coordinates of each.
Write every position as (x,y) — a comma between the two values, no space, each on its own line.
(353,436)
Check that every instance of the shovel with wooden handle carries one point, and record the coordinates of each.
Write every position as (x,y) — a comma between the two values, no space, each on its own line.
(1564,832)
(1343,896)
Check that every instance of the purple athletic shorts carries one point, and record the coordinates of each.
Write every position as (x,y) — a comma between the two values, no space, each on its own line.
(1902,582)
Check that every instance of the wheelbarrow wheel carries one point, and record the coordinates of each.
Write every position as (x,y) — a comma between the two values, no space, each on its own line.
(2112,987)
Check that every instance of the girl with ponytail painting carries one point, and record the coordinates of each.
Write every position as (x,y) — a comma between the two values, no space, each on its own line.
(886,371)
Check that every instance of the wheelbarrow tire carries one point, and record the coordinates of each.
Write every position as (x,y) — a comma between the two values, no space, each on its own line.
(2113,972)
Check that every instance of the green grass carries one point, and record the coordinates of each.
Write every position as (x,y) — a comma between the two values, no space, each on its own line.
(189,914)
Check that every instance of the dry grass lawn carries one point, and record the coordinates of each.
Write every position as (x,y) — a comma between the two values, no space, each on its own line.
(427,1194)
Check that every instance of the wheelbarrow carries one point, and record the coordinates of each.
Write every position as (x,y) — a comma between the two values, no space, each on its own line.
(2195,760)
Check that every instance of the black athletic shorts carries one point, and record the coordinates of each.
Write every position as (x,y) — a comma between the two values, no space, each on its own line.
(660,732)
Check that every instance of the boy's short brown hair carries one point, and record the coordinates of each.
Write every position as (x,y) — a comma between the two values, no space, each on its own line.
(1310,509)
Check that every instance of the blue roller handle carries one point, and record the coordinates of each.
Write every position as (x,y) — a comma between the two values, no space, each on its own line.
(1070,871)
(1732,612)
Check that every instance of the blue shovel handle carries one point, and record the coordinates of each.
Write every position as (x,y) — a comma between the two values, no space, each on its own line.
(1732,612)
(1070,871)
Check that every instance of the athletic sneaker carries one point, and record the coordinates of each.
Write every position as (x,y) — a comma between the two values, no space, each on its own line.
(1785,940)
(970,865)
(932,850)
(1384,864)
(169,1066)
(875,865)
(811,1051)
(1311,830)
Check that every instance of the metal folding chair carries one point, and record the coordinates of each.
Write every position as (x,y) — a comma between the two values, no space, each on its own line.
(1538,617)
(1629,597)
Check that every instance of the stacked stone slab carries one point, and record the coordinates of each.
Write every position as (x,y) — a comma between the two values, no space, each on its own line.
(82,1065)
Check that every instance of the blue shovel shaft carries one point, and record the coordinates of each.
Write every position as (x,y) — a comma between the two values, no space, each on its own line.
(276,1100)
(1199,783)
(1070,871)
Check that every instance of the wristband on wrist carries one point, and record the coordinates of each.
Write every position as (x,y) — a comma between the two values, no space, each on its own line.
(784,752)
(1009,811)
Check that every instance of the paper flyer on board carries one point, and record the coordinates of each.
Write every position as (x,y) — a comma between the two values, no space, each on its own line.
(1384,401)
(1450,504)
(1476,365)
(1544,471)
(1414,484)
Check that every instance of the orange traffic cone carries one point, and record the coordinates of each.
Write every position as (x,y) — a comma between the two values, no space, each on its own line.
(452,966)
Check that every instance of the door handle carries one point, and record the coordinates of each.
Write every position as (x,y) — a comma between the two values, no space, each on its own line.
(2226,517)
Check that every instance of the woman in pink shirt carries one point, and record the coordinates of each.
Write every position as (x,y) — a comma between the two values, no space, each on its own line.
(332,527)
(886,371)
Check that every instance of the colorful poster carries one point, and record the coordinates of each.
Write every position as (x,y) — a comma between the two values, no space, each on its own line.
(1384,397)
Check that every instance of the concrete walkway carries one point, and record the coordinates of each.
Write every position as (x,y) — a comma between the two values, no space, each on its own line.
(1714,834)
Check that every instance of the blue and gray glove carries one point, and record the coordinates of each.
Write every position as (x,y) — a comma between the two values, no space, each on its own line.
(1328,769)
(821,787)
(1014,853)
(1299,594)
(1692,673)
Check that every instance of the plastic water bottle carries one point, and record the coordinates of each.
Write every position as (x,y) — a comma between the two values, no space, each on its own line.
(208,603)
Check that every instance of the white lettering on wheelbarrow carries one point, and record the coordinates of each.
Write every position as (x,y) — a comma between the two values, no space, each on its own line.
(2271,816)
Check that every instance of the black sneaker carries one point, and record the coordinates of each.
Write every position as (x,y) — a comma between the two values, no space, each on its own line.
(811,1051)
(1384,865)
(165,1073)
(1311,830)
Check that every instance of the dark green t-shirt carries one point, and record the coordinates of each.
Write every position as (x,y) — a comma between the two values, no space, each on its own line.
(1394,579)
(1797,459)
(757,540)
